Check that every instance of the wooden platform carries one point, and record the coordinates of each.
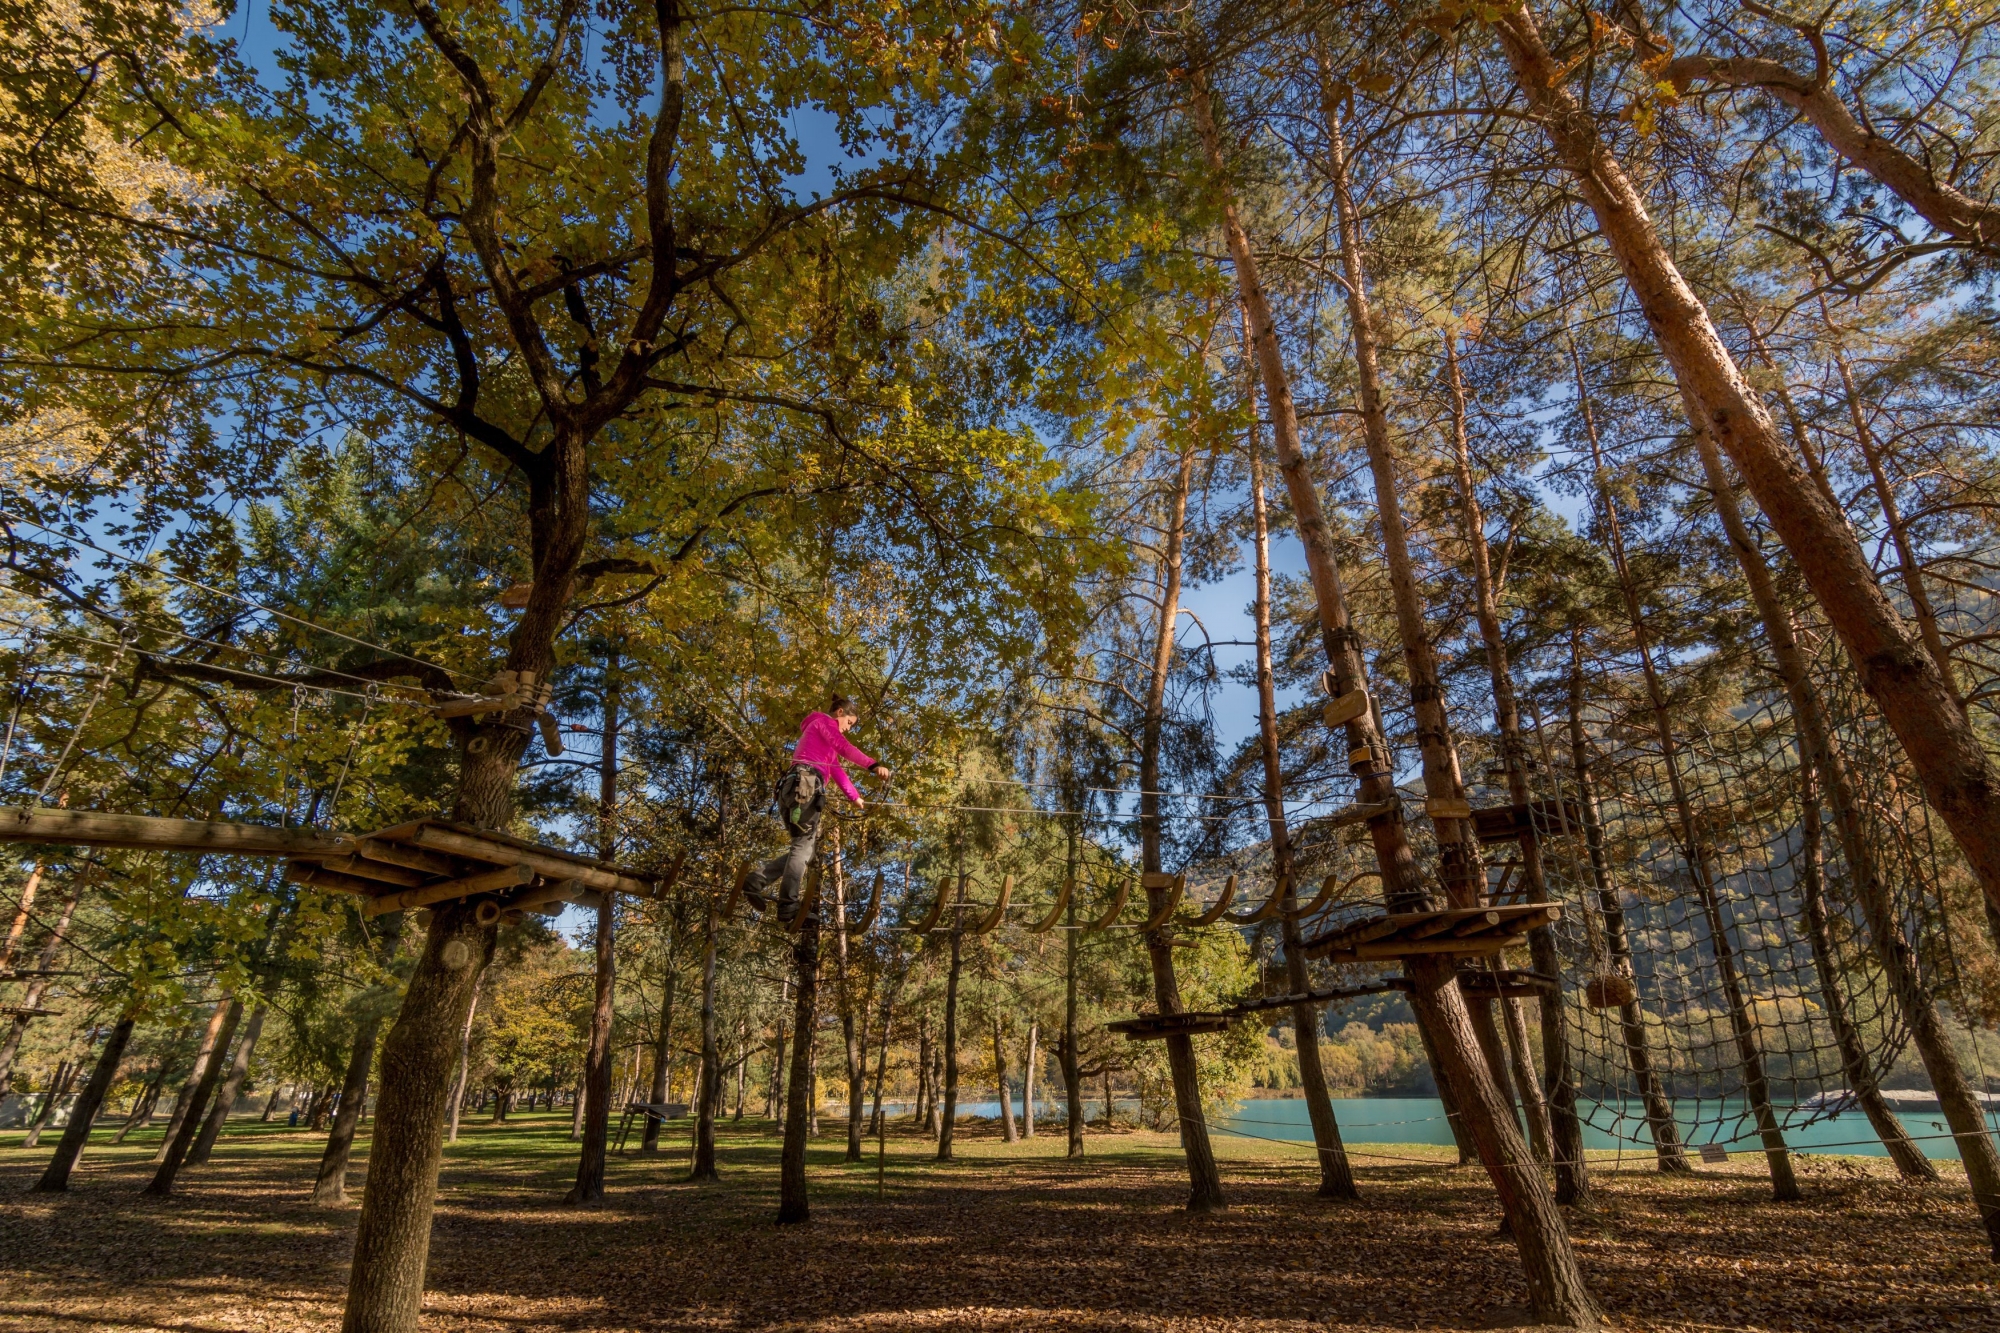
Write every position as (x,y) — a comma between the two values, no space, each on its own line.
(395,869)
(1462,930)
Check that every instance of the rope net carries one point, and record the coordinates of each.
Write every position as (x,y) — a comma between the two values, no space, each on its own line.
(1715,951)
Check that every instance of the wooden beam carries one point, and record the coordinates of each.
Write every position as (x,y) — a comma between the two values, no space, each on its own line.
(363,867)
(561,891)
(410,858)
(301,872)
(1478,944)
(90,828)
(492,881)
(543,862)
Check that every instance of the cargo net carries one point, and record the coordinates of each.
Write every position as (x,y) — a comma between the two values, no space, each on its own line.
(1715,956)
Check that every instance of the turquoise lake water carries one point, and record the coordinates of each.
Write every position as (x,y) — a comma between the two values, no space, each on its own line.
(1421,1120)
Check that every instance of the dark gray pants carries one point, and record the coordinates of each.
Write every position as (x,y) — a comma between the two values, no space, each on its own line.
(801,800)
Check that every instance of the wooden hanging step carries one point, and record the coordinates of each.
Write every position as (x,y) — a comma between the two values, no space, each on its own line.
(1458,930)
(1507,984)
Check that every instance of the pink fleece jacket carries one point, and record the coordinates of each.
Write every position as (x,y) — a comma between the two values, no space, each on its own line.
(822,746)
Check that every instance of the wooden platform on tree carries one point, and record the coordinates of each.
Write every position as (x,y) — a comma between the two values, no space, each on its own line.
(1458,930)
(410,865)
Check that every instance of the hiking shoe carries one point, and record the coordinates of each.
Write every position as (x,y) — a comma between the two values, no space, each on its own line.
(788,910)
(758,902)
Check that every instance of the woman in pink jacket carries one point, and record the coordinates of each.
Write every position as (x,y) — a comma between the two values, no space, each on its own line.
(819,758)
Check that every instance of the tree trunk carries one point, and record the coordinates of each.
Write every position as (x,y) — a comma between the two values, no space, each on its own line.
(1521,1062)
(1007,1134)
(1336,1174)
(742,1066)
(321,1108)
(31,998)
(1894,668)
(1028,1082)
(232,1086)
(55,1177)
(330,1189)
(1563,1138)
(1066,1056)
(589,1186)
(23,909)
(663,1045)
(182,1139)
(710,1091)
(58,1089)
(875,1125)
(853,1021)
(948,1101)
(1204,1180)
(1555,1284)
(385,1285)
(148,1098)
(792,1203)
(776,1092)
(464,1061)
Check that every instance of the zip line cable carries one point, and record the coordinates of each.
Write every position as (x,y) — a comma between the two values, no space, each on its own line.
(7,517)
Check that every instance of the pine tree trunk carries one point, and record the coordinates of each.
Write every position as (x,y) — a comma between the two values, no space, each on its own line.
(663,1048)
(1555,1283)
(1521,1063)
(1563,1138)
(948,1101)
(232,1086)
(1028,1082)
(1894,667)
(31,998)
(704,1167)
(792,1203)
(1007,1134)
(875,1125)
(23,909)
(1204,1180)
(853,1023)
(182,1139)
(55,1177)
(1336,1174)
(1072,1076)
(776,1090)
(589,1186)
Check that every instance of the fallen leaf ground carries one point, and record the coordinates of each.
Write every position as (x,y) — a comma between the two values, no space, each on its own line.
(1009,1236)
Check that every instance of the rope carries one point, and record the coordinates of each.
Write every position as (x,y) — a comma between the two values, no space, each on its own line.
(6,517)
